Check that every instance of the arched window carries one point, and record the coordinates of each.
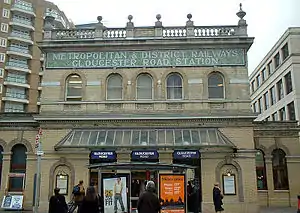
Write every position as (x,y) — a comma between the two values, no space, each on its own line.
(144,87)
(280,174)
(74,88)
(261,170)
(17,165)
(174,86)
(114,87)
(215,85)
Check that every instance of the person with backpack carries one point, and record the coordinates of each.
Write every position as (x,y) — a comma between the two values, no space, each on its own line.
(78,195)
(57,203)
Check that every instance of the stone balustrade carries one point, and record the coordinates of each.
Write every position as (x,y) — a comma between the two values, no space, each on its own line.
(99,31)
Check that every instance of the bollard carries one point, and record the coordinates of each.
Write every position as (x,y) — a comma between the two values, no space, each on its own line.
(298,204)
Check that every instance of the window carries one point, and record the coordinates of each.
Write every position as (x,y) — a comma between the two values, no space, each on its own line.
(215,85)
(273,95)
(1,72)
(279,90)
(3,42)
(285,51)
(258,80)
(266,99)
(288,83)
(277,60)
(114,87)
(252,86)
(4,27)
(255,107)
(260,108)
(280,174)
(7,1)
(5,13)
(264,74)
(174,86)
(16,93)
(2,57)
(144,87)
(275,116)
(282,114)
(271,68)
(74,88)
(261,170)
(291,111)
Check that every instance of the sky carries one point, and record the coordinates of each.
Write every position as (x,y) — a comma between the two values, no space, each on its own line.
(267,19)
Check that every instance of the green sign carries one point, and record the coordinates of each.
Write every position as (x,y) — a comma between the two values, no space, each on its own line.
(151,58)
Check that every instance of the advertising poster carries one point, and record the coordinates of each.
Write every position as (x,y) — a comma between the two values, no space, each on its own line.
(12,202)
(172,193)
(115,195)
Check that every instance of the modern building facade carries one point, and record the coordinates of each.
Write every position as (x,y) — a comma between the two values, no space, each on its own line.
(128,99)
(273,84)
(21,62)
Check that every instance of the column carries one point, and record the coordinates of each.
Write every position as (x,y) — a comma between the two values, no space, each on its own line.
(29,181)
(269,174)
(5,171)
(293,164)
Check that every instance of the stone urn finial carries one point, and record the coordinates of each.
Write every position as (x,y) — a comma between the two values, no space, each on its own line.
(241,14)
(99,18)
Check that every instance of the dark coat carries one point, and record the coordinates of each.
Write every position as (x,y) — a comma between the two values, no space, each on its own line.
(57,204)
(217,197)
(148,203)
(89,206)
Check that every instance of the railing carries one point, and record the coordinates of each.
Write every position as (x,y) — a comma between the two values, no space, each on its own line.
(99,31)
(22,21)
(16,80)
(16,95)
(23,7)
(17,64)
(20,35)
(20,50)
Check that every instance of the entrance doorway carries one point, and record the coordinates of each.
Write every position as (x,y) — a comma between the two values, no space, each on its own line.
(194,190)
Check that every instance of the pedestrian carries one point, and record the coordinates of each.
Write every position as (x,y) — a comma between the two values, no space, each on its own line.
(148,202)
(217,198)
(90,202)
(57,203)
(78,194)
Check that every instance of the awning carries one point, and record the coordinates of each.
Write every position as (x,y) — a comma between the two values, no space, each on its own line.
(144,137)
(140,165)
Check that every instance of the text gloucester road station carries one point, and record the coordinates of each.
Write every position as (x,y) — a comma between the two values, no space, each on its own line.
(152,58)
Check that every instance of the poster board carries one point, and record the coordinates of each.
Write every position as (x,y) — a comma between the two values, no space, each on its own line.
(172,193)
(12,202)
(112,199)
(62,182)
(229,184)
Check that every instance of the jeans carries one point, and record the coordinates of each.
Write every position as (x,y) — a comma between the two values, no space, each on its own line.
(118,197)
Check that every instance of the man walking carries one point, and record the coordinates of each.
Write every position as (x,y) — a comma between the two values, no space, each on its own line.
(148,201)
(118,189)
(78,195)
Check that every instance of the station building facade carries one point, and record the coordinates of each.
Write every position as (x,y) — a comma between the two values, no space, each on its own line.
(171,93)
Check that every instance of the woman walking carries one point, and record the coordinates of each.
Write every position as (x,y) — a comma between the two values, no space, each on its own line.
(218,197)
(90,203)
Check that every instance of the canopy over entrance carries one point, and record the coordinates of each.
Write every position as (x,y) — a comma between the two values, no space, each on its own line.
(106,138)
(140,166)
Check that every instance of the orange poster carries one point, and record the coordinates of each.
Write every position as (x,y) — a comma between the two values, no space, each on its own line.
(172,193)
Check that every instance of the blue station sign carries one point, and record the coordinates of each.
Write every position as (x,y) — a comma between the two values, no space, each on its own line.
(104,155)
(186,154)
(145,154)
